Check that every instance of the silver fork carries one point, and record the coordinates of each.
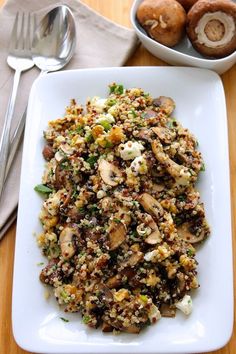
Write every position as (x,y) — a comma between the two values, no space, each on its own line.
(20,60)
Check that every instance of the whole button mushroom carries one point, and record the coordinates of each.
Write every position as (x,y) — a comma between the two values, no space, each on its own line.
(211,27)
(163,20)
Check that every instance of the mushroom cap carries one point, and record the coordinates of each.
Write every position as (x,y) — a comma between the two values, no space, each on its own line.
(218,11)
(164,20)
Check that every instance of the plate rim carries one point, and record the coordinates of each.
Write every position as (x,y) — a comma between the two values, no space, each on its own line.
(216,77)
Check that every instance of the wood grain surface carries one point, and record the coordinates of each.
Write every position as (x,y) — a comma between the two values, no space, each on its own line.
(118,11)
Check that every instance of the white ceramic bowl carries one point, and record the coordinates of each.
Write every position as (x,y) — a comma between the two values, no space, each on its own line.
(181,54)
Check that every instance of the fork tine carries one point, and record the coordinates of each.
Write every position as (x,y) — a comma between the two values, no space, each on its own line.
(13,40)
(21,39)
(35,23)
(28,38)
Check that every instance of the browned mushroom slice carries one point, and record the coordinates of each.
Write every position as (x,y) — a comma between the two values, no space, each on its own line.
(116,280)
(117,234)
(66,242)
(144,134)
(132,329)
(164,134)
(167,311)
(178,172)
(186,234)
(151,205)
(149,113)
(48,152)
(106,327)
(154,237)
(105,292)
(134,259)
(158,187)
(165,103)
(110,174)
(51,273)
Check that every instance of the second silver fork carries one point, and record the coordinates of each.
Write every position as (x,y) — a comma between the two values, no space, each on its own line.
(20,60)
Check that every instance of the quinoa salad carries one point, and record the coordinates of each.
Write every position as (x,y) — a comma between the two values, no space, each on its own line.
(121,217)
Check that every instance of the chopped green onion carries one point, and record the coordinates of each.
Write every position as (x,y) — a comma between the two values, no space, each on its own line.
(86,319)
(106,125)
(117,89)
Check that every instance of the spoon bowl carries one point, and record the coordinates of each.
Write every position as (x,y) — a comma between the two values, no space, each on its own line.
(54,39)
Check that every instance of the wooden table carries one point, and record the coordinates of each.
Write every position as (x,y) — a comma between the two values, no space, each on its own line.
(118,11)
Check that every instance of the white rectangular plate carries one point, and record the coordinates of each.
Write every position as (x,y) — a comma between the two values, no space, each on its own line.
(200,106)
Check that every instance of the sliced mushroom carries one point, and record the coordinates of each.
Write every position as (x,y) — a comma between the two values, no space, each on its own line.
(144,134)
(132,329)
(116,280)
(51,273)
(61,176)
(154,238)
(117,234)
(151,205)
(66,242)
(158,187)
(149,113)
(164,134)
(105,292)
(185,233)
(106,327)
(178,172)
(165,103)
(110,174)
(134,259)
(167,311)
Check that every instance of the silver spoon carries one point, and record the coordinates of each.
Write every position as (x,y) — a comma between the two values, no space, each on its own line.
(52,48)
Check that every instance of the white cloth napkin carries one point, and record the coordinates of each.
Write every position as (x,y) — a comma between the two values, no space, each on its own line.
(100,43)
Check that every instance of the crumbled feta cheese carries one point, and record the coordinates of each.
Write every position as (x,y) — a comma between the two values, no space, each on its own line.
(150,255)
(52,204)
(60,139)
(130,150)
(101,194)
(59,156)
(105,118)
(139,165)
(154,314)
(185,305)
(98,104)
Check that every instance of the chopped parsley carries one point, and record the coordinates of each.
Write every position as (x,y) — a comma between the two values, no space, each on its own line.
(190,252)
(203,167)
(64,319)
(92,160)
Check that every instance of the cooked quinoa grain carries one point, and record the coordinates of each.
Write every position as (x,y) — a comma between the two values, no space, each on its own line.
(122,216)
